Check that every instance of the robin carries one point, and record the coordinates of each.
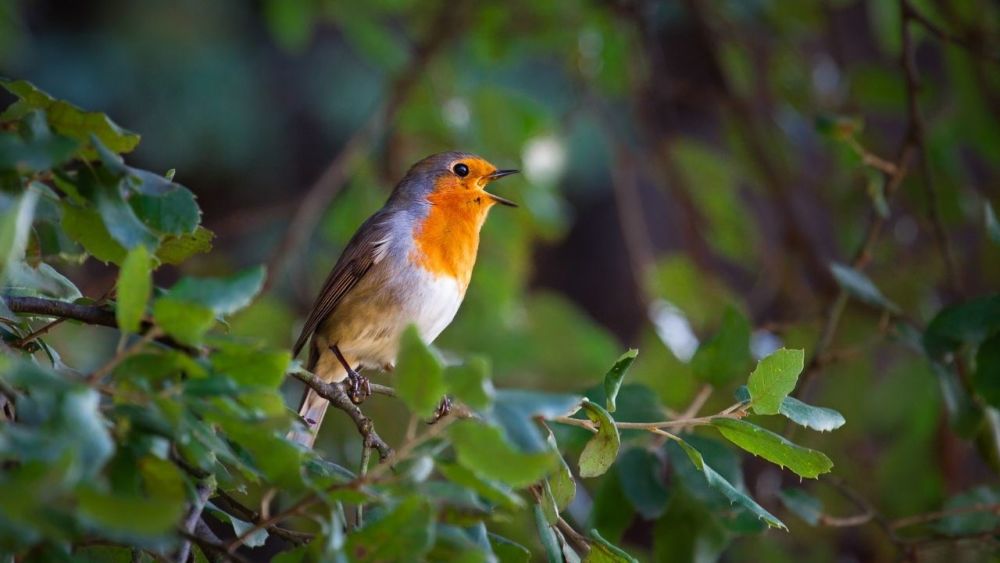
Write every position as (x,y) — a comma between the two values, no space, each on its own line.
(409,263)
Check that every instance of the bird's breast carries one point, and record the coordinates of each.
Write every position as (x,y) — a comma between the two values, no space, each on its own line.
(446,240)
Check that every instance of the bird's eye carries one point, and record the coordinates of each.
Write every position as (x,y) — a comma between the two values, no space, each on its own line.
(461,169)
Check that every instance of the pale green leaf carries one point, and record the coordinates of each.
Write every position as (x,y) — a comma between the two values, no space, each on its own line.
(135,285)
(613,379)
(419,374)
(773,379)
(602,448)
(774,448)
(817,418)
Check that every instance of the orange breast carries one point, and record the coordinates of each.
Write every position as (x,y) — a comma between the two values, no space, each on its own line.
(448,239)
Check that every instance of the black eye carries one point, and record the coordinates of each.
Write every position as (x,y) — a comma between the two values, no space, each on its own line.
(461,169)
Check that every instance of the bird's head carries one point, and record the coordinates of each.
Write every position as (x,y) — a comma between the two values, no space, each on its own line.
(460,175)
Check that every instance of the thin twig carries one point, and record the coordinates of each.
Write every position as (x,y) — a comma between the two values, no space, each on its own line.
(974,47)
(202,492)
(941,514)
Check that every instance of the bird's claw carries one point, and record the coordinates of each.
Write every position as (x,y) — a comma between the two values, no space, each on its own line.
(359,387)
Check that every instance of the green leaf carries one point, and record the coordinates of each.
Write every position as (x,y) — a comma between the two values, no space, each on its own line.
(419,375)
(130,516)
(563,485)
(817,418)
(773,379)
(602,449)
(135,285)
(992,225)
(517,411)
(15,227)
(610,515)
(548,503)
(177,249)
(252,367)
(508,551)
(121,222)
(493,491)
(861,287)
(971,322)
(641,472)
(404,533)
(547,536)
(175,212)
(67,119)
(726,355)
(720,484)
(224,296)
(482,449)
(603,551)
(802,504)
(470,383)
(972,522)
(774,448)
(85,226)
(241,527)
(986,380)
(187,322)
(613,379)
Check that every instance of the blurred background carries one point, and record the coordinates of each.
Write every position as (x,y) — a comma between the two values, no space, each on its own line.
(679,157)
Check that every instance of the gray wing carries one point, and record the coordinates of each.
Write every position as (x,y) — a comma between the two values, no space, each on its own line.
(365,249)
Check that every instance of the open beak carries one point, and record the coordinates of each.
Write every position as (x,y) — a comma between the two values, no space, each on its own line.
(496,176)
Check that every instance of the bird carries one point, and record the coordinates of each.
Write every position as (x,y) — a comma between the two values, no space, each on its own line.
(410,263)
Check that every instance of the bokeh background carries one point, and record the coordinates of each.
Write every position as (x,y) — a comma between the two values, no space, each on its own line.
(679,157)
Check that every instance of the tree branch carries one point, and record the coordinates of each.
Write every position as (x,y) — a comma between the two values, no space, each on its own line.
(202,492)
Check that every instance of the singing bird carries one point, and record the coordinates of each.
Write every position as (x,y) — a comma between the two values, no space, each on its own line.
(409,263)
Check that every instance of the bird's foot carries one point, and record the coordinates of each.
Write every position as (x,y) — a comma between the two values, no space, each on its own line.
(359,387)
(443,409)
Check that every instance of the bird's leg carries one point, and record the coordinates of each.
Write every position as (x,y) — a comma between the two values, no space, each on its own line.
(359,387)
(443,409)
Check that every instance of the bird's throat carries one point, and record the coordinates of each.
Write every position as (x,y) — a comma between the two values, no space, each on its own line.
(447,240)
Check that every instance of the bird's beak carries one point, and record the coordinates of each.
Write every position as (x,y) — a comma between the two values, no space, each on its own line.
(496,176)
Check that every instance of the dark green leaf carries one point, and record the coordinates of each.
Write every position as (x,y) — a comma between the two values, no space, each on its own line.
(817,418)
(861,287)
(419,374)
(613,379)
(405,532)
(773,379)
(66,118)
(482,449)
(174,212)
(987,377)
(130,516)
(610,515)
(725,356)
(491,490)
(470,383)
(516,412)
(970,322)
(641,474)
(135,285)
(802,504)
(719,483)
(774,448)
(602,449)
(224,296)
(973,521)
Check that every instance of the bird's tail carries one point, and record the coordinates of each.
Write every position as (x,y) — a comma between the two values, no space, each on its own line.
(312,409)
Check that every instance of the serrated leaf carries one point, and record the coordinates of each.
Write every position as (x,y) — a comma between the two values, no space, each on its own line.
(773,379)
(135,285)
(861,287)
(774,448)
(419,374)
(482,449)
(719,483)
(726,355)
(802,504)
(602,448)
(613,379)
(223,296)
(817,418)
(68,119)
(177,249)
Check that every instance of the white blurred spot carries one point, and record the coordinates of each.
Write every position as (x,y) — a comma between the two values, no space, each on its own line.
(763,343)
(673,329)
(905,230)
(544,159)
(826,77)
(456,113)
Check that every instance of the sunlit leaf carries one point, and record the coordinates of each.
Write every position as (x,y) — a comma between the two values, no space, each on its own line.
(817,418)
(482,449)
(602,449)
(613,379)
(773,379)
(135,285)
(774,448)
